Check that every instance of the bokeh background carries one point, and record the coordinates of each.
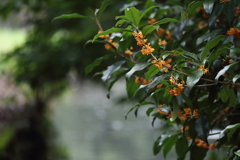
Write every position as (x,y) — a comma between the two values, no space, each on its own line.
(49,108)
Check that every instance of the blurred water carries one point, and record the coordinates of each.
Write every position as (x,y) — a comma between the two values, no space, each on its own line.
(93,127)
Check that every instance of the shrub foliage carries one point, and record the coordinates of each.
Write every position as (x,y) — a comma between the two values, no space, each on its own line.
(181,58)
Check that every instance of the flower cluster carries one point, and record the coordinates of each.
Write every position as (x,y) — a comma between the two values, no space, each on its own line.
(178,87)
(184,129)
(201,68)
(142,81)
(203,12)
(151,21)
(146,48)
(235,32)
(109,46)
(160,31)
(161,64)
(103,36)
(201,143)
(237,13)
(161,42)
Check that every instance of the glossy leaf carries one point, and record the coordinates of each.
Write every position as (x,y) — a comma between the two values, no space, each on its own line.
(98,61)
(120,22)
(131,87)
(169,143)
(148,29)
(149,111)
(202,127)
(224,70)
(175,110)
(208,5)
(181,146)
(155,82)
(211,44)
(69,16)
(217,8)
(187,100)
(230,129)
(237,153)
(111,69)
(235,78)
(136,67)
(232,10)
(152,71)
(133,15)
(193,78)
(193,7)
(165,20)
(137,105)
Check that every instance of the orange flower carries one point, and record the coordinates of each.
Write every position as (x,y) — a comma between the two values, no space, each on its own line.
(164,65)
(142,81)
(178,87)
(201,68)
(103,36)
(160,31)
(237,13)
(161,42)
(151,21)
(235,32)
(147,49)
(161,112)
(128,52)
(168,35)
(109,46)
(139,38)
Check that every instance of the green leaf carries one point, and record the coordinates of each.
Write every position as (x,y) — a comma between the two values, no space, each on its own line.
(235,78)
(121,17)
(156,146)
(175,110)
(68,16)
(98,61)
(212,43)
(136,106)
(181,146)
(231,11)
(133,15)
(104,5)
(187,100)
(169,143)
(223,94)
(224,70)
(193,7)
(215,54)
(193,78)
(136,67)
(98,41)
(120,22)
(152,71)
(230,129)
(165,20)
(148,29)
(155,82)
(150,110)
(183,16)
(202,127)
(111,69)
(111,30)
(237,153)
(191,55)
(131,87)
(208,5)
(110,85)
(147,10)
(217,8)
